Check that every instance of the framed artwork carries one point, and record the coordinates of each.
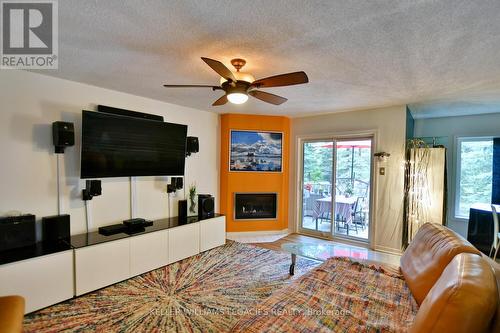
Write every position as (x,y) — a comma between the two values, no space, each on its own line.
(256,151)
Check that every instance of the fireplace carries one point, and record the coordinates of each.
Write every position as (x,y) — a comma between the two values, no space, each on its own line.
(255,206)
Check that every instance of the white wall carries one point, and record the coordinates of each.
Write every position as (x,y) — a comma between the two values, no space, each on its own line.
(30,102)
(390,126)
(447,130)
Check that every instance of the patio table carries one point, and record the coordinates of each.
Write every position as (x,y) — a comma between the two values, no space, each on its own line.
(343,208)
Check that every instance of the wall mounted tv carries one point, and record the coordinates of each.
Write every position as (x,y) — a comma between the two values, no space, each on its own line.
(123,146)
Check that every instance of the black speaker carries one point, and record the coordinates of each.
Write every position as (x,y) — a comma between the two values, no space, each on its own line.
(206,205)
(192,145)
(182,206)
(56,228)
(179,182)
(93,189)
(17,231)
(63,135)
(176,183)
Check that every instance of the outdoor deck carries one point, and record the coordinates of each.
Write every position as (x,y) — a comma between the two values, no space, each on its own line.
(324,226)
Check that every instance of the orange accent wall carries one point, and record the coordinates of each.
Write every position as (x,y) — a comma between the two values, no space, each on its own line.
(231,182)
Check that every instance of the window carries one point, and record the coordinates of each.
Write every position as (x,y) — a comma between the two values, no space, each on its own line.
(474,173)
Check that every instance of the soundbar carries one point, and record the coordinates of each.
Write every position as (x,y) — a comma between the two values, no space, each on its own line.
(128,113)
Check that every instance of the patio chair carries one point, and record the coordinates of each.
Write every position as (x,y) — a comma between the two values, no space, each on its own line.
(496,233)
(345,186)
(341,223)
(358,214)
(361,188)
(310,202)
(325,216)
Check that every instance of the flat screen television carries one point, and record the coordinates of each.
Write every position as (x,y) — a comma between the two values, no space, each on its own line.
(122,146)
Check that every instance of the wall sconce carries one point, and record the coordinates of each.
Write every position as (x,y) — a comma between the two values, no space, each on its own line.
(382,156)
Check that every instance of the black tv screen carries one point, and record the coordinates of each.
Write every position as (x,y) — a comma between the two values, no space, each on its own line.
(122,146)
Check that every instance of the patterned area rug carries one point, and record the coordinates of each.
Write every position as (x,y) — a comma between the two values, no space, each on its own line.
(205,293)
(341,295)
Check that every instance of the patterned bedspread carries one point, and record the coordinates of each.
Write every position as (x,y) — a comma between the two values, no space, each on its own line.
(341,296)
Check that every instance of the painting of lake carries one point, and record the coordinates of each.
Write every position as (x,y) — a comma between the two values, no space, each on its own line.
(256,151)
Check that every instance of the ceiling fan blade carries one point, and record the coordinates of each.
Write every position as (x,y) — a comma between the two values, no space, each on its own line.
(220,101)
(220,68)
(191,86)
(281,80)
(267,97)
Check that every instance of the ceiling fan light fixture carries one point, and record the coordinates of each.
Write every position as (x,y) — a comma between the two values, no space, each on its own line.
(238,85)
(240,76)
(237,98)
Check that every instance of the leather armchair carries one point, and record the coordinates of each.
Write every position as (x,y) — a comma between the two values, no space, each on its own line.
(11,314)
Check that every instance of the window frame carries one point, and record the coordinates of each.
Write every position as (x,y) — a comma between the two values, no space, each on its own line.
(458,170)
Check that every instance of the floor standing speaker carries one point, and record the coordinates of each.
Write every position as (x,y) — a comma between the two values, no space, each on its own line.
(182,210)
(56,228)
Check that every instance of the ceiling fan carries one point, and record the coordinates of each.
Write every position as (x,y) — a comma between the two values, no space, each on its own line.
(238,85)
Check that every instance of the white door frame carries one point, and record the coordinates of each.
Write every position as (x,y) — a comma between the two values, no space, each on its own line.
(372,223)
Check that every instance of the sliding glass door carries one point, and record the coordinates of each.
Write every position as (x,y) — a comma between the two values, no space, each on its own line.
(335,187)
(316,183)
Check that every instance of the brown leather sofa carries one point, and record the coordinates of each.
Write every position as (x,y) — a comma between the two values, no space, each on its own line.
(11,314)
(455,287)
(454,284)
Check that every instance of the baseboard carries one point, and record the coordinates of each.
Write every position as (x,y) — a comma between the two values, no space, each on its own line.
(257,233)
(389,250)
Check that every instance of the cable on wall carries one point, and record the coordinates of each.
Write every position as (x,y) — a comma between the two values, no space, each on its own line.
(87,214)
(63,135)
(184,188)
(168,205)
(58,171)
(133,195)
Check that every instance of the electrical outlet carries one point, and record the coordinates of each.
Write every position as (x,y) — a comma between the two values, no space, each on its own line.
(381,171)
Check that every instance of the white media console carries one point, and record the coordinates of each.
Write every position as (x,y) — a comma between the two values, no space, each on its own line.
(94,261)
